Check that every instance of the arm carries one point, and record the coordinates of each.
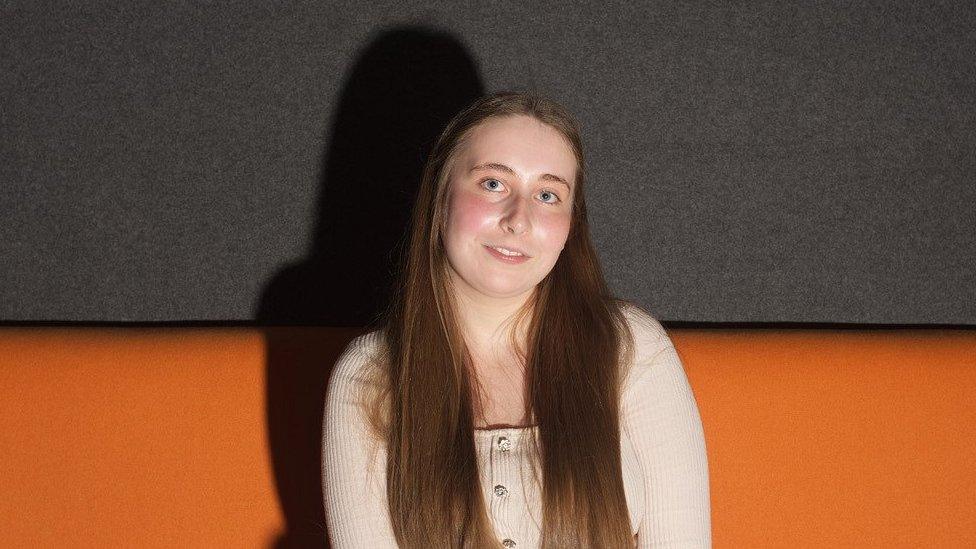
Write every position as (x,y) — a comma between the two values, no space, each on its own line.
(353,464)
(662,419)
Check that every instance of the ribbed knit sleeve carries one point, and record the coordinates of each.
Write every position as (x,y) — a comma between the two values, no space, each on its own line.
(661,418)
(353,461)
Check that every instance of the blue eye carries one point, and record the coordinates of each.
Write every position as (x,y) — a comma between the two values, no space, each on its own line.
(488,181)
(552,194)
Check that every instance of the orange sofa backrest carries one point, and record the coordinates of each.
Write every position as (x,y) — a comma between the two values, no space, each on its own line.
(837,438)
(209,437)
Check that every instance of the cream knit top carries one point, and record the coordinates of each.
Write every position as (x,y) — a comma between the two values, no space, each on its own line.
(663,459)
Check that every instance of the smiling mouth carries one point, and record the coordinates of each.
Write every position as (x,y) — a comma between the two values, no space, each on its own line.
(507,251)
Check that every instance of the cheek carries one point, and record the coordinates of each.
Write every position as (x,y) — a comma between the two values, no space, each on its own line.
(555,230)
(469,215)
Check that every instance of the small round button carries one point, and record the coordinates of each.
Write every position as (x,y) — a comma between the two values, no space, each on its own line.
(508,542)
(501,491)
(504,444)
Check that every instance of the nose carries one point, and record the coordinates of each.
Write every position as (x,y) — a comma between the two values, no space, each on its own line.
(516,217)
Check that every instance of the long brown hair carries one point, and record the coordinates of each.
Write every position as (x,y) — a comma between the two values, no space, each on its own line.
(426,409)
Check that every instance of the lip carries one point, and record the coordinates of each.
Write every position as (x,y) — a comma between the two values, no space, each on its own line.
(507,258)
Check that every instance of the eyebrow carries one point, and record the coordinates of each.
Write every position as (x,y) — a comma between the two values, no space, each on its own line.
(506,169)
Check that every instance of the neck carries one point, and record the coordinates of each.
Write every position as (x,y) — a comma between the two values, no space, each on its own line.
(486,321)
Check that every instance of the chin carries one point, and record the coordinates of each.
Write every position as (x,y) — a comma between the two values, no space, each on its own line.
(503,291)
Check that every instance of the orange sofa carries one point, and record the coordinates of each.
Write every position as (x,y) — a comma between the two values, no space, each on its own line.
(209,437)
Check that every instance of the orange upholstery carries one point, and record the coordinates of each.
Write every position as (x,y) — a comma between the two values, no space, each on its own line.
(209,437)
(837,438)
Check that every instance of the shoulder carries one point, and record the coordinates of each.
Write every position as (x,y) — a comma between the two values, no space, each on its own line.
(358,366)
(649,338)
(649,335)
(358,354)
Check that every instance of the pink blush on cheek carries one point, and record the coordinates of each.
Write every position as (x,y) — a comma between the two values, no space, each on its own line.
(471,214)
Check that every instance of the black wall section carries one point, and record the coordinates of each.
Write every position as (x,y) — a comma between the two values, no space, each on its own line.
(748,161)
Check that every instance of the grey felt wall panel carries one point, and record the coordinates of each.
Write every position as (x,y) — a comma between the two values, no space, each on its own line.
(749,161)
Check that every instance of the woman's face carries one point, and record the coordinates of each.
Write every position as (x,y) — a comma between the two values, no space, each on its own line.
(511,187)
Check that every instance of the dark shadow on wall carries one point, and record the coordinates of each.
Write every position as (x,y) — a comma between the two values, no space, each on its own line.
(402,90)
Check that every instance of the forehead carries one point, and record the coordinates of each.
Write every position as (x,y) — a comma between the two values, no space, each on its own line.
(525,144)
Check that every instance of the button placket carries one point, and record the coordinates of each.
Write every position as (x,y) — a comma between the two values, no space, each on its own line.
(503,476)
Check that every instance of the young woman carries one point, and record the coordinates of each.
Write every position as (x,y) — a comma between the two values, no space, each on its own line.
(509,400)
